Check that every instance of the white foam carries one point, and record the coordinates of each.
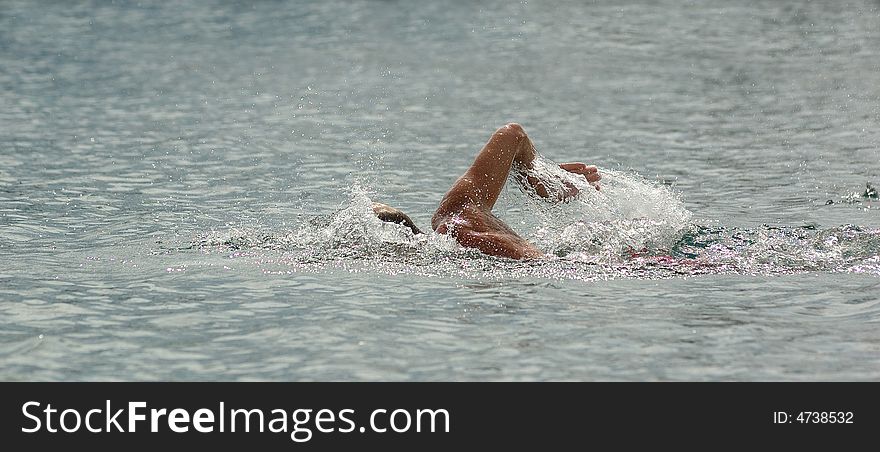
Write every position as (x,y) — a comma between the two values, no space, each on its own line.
(628,214)
(593,236)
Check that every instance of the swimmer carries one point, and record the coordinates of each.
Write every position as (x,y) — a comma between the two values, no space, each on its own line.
(465,212)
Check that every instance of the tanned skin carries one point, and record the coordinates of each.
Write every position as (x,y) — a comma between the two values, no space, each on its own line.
(466,210)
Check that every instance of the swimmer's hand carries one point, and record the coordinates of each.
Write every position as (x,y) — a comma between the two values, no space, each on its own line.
(590,172)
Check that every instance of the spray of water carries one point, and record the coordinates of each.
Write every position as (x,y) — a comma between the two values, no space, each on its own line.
(630,228)
(629,214)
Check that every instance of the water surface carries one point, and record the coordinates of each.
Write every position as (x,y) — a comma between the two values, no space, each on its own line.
(184,190)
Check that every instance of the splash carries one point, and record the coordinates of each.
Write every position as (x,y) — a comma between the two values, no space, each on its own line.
(772,249)
(352,232)
(628,214)
(631,228)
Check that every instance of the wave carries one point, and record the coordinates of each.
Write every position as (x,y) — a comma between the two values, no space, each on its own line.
(630,228)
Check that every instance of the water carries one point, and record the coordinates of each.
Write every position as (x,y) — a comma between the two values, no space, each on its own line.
(184,190)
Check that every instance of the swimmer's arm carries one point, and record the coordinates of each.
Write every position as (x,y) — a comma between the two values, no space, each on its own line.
(499,244)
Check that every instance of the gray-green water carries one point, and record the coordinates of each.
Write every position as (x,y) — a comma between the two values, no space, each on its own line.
(183,190)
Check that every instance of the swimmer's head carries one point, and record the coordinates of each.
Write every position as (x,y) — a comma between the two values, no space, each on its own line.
(392,215)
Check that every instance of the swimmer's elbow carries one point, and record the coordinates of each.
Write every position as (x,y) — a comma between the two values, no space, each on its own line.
(499,245)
